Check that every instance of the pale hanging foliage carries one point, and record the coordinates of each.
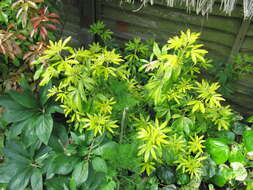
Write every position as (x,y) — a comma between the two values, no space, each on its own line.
(206,6)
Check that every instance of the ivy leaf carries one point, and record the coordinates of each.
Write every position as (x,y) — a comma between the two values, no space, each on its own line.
(247,140)
(218,150)
(99,165)
(36,180)
(223,175)
(239,171)
(44,126)
(80,173)
(236,155)
(227,137)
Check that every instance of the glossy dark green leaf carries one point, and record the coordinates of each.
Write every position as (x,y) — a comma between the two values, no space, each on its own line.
(57,183)
(43,91)
(106,149)
(23,99)
(16,151)
(63,164)
(17,128)
(20,180)
(10,115)
(25,85)
(218,150)
(99,165)
(7,171)
(183,178)
(80,173)
(29,133)
(239,128)
(7,102)
(44,127)
(209,168)
(36,180)
(248,139)
(55,108)
(166,175)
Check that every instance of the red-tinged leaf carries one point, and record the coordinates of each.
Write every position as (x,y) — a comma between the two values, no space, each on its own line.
(43,32)
(17,50)
(44,19)
(21,37)
(34,19)
(10,26)
(32,47)
(26,55)
(2,49)
(33,32)
(54,20)
(36,24)
(50,26)
(43,11)
(53,15)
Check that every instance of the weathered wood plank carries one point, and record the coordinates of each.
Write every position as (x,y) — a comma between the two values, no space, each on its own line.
(239,39)
(178,15)
(148,33)
(247,44)
(242,100)
(168,25)
(250,31)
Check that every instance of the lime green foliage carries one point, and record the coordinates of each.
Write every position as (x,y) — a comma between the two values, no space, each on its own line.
(153,136)
(191,105)
(82,89)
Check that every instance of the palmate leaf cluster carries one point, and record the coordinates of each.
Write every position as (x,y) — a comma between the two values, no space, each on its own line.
(139,118)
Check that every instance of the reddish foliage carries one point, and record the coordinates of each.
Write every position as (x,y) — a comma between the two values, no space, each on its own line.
(43,22)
